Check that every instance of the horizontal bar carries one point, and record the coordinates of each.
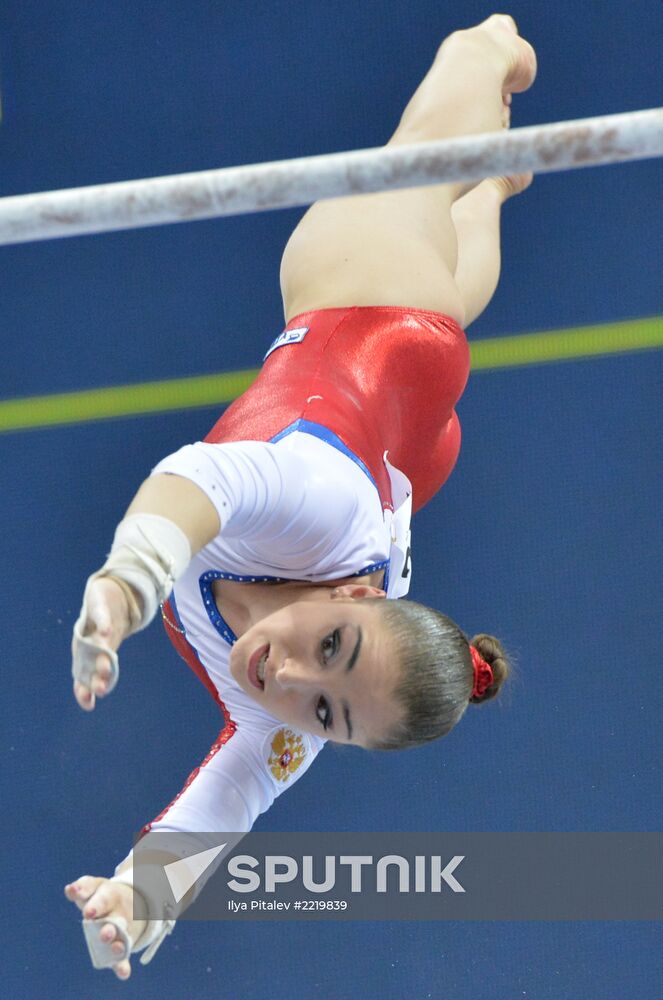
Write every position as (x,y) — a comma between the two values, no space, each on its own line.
(206,194)
(176,395)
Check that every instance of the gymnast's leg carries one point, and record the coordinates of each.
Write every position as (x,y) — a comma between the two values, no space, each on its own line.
(476,217)
(400,248)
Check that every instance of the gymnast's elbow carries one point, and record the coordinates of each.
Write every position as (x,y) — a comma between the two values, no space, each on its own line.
(182,502)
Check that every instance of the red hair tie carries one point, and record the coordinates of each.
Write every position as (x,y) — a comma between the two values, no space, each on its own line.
(483,674)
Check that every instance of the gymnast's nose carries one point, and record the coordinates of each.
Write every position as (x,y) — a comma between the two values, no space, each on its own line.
(293,675)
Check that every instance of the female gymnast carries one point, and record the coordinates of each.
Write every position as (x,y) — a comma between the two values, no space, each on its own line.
(271,546)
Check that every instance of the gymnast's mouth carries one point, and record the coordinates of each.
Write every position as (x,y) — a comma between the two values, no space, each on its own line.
(256,667)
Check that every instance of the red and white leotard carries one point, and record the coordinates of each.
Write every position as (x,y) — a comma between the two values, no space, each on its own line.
(314,472)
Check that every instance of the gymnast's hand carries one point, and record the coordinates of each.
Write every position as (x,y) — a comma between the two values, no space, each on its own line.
(107,623)
(99,898)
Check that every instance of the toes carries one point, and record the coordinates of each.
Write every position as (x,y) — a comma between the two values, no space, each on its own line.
(520,182)
(506,110)
(502,21)
(513,184)
(524,65)
(524,72)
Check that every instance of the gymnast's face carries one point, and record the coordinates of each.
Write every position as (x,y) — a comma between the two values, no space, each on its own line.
(330,667)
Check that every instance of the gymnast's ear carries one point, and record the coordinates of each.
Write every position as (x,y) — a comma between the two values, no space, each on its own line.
(356,591)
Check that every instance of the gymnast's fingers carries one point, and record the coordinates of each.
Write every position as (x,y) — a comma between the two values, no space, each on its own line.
(84,696)
(122,969)
(82,889)
(107,614)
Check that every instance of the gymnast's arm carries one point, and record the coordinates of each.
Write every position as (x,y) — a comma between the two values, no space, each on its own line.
(251,761)
(181,501)
(241,489)
(114,605)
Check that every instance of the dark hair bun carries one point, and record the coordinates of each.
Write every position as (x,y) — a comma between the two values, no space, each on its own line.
(493,653)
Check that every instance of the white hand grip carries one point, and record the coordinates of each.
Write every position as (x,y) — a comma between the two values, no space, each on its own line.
(84,659)
(101,952)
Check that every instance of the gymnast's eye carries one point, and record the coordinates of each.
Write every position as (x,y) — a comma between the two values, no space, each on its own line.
(323,712)
(335,639)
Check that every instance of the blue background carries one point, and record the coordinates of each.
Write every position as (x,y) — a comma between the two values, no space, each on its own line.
(547,534)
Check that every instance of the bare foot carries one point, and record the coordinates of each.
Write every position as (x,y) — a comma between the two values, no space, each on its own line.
(521,73)
(515,184)
(480,200)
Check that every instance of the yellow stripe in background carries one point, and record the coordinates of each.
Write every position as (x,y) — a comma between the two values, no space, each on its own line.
(124,400)
(213,390)
(567,345)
